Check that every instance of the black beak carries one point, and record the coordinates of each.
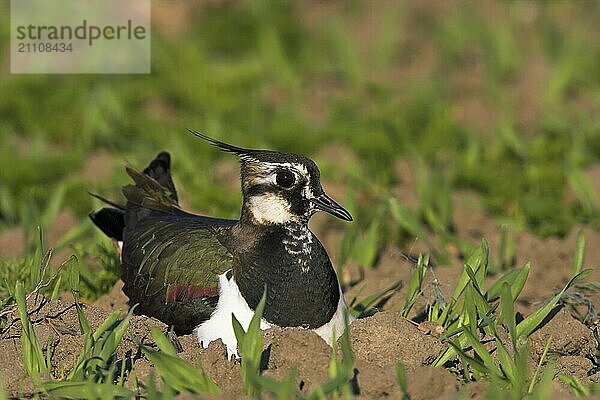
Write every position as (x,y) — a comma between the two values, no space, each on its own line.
(327,204)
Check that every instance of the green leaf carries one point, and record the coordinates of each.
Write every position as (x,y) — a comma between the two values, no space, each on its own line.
(108,342)
(74,272)
(450,352)
(529,324)
(253,340)
(33,357)
(539,365)
(53,205)
(179,374)
(409,221)
(484,354)
(508,313)
(162,341)
(3,394)
(543,389)
(402,379)
(577,388)
(415,284)
(476,262)
(280,390)
(36,270)
(365,250)
(507,364)
(469,316)
(106,324)
(476,296)
(516,280)
(579,255)
(469,361)
(584,190)
(340,372)
(57,287)
(365,306)
(100,345)
(250,347)
(506,248)
(86,390)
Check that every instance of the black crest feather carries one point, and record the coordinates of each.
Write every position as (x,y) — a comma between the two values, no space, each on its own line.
(240,151)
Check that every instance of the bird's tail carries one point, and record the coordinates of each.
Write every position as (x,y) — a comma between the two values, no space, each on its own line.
(153,190)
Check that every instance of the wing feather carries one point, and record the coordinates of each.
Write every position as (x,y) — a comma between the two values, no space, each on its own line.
(170,267)
(170,258)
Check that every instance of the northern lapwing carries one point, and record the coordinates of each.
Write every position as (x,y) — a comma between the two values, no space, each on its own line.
(193,272)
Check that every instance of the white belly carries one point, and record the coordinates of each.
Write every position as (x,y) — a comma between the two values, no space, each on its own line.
(231,301)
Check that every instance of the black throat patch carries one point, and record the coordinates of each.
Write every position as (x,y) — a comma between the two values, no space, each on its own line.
(290,262)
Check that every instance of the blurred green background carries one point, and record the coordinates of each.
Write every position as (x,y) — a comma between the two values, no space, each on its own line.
(498,98)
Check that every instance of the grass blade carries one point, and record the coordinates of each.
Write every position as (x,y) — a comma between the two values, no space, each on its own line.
(579,255)
(415,284)
(476,261)
(339,372)
(529,324)
(33,357)
(508,313)
(516,280)
(543,389)
(483,354)
(86,390)
(366,248)
(74,274)
(402,380)
(250,347)
(366,306)
(162,341)
(507,365)
(178,373)
(539,365)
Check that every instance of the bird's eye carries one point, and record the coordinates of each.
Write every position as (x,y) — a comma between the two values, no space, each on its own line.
(285,179)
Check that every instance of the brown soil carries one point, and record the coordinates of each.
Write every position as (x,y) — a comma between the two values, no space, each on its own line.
(379,342)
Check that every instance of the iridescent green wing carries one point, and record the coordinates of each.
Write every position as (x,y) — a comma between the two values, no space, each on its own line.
(170,267)
(170,258)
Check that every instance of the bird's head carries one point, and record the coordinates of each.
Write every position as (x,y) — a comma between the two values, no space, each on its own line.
(280,187)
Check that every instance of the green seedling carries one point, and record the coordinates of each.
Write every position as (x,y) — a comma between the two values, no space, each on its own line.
(86,390)
(250,348)
(402,380)
(33,357)
(369,305)
(177,373)
(415,284)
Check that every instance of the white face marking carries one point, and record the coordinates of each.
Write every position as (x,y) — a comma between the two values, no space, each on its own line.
(269,208)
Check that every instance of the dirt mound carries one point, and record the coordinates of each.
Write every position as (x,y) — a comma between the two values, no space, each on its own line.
(572,345)
(387,338)
(213,360)
(298,349)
